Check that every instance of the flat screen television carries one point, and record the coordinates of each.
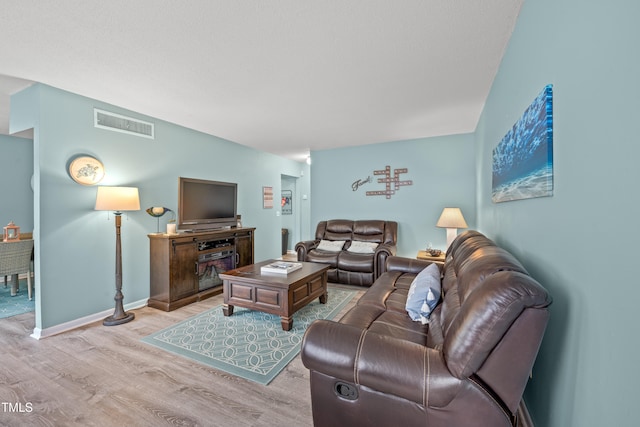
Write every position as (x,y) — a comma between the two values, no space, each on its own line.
(206,205)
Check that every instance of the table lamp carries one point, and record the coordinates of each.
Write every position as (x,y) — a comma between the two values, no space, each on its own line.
(451,219)
(118,199)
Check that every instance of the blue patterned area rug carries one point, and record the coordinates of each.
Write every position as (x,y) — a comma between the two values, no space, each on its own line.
(12,306)
(249,344)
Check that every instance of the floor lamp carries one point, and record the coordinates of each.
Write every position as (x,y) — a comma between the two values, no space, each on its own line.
(118,199)
(451,219)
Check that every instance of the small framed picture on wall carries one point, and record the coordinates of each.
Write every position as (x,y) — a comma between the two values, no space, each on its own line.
(285,202)
(267,197)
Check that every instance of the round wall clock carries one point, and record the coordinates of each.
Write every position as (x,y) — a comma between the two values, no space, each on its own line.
(86,170)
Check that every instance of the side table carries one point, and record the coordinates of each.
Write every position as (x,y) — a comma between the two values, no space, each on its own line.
(426,256)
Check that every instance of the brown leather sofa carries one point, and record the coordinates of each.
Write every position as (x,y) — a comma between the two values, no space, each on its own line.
(467,367)
(347,266)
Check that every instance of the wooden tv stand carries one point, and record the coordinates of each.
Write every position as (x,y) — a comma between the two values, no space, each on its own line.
(174,262)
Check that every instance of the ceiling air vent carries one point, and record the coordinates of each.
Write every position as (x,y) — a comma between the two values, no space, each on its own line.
(119,123)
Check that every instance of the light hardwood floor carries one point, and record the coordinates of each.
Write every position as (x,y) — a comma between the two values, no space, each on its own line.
(104,376)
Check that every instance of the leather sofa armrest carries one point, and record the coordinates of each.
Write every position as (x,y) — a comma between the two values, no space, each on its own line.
(303,248)
(331,348)
(383,251)
(369,359)
(406,265)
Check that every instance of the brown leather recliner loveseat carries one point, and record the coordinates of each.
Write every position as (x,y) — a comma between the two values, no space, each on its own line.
(468,366)
(355,250)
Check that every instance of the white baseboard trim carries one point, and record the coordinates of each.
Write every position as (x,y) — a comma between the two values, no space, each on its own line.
(524,418)
(67,326)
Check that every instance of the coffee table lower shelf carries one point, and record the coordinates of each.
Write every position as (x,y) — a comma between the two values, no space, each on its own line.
(279,294)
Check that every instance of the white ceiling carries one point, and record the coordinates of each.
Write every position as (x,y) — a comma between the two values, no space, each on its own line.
(282,76)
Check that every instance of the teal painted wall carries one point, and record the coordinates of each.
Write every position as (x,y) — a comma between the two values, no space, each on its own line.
(582,242)
(442,170)
(75,257)
(15,182)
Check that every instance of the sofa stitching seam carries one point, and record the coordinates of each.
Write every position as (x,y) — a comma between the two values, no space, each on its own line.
(356,378)
(425,386)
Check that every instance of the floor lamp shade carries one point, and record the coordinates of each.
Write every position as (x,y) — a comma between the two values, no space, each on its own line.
(118,199)
(451,219)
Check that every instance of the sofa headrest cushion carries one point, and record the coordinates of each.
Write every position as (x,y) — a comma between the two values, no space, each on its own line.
(337,229)
(485,316)
(340,226)
(367,227)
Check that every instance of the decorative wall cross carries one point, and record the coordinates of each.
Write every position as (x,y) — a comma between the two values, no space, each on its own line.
(389,180)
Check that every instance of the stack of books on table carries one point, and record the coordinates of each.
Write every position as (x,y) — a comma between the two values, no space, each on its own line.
(280,267)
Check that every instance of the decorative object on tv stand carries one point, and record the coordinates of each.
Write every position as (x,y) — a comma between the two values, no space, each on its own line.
(171,227)
(118,199)
(11,233)
(157,212)
(451,219)
(86,170)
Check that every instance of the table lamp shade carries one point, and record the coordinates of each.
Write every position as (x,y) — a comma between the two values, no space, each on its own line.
(117,199)
(451,218)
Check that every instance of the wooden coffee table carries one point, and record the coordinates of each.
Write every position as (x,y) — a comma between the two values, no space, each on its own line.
(279,294)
